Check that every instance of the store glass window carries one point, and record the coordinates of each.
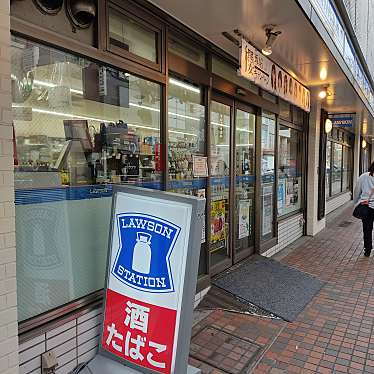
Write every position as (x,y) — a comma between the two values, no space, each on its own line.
(289,170)
(328,168)
(336,170)
(220,121)
(285,110)
(347,172)
(267,175)
(245,178)
(132,36)
(187,161)
(187,50)
(79,128)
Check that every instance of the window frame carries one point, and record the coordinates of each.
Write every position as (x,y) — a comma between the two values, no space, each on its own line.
(146,21)
(300,156)
(93,299)
(343,138)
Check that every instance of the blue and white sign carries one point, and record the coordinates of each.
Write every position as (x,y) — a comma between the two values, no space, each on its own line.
(143,257)
(342,121)
(154,249)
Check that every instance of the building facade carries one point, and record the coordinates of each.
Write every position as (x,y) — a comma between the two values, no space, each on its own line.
(157,96)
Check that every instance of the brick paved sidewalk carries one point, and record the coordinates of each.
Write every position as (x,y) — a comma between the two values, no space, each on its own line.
(332,335)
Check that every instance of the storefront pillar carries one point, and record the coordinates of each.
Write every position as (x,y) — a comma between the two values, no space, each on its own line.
(8,294)
(313,224)
(357,149)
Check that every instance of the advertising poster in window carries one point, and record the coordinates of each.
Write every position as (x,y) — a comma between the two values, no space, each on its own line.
(200,166)
(201,193)
(244,218)
(218,212)
(281,195)
(267,209)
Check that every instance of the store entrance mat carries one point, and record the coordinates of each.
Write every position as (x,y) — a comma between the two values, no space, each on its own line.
(218,348)
(217,298)
(275,287)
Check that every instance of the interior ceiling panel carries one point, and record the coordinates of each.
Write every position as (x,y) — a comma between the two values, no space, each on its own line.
(298,49)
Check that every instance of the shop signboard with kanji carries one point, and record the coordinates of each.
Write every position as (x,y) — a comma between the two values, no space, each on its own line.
(151,279)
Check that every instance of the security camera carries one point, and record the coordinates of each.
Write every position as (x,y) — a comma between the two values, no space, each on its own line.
(50,7)
(81,12)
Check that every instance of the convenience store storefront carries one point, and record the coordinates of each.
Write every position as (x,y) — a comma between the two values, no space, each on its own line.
(144,102)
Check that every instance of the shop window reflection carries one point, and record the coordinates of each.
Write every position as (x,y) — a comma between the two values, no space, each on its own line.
(289,170)
(131,36)
(187,162)
(219,170)
(336,172)
(267,175)
(347,172)
(79,128)
(328,169)
(245,178)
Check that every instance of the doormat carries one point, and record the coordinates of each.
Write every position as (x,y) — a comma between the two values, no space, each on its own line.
(217,348)
(275,287)
(217,298)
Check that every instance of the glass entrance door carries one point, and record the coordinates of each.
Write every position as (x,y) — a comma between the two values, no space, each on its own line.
(245,120)
(232,182)
(220,136)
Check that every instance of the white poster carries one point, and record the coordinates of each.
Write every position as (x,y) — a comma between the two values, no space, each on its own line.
(266,74)
(201,193)
(267,209)
(244,218)
(200,166)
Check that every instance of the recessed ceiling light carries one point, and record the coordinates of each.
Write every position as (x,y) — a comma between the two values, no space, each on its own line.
(323,73)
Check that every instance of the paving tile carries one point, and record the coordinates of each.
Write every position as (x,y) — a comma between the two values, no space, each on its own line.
(334,334)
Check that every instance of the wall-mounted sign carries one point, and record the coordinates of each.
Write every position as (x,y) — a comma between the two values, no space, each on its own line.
(151,280)
(342,121)
(269,76)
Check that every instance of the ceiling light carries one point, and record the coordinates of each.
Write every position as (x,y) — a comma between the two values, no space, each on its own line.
(267,51)
(323,74)
(328,125)
(324,93)
(363,143)
(271,37)
(364,127)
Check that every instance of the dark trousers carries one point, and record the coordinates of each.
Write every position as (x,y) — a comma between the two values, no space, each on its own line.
(367,227)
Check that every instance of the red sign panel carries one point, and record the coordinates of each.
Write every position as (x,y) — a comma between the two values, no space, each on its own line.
(132,331)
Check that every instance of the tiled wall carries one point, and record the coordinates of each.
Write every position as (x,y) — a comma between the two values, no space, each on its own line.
(337,202)
(73,342)
(8,293)
(289,230)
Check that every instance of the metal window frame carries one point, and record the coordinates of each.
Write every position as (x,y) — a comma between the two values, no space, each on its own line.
(147,22)
(300,156)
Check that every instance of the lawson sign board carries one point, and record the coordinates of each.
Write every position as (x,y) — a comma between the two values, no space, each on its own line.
(151,278)
(342,121)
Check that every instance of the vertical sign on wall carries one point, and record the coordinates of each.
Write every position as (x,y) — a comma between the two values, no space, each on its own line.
(151,279)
